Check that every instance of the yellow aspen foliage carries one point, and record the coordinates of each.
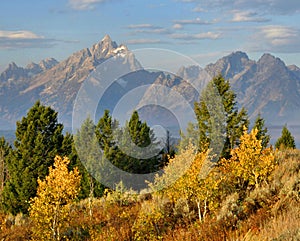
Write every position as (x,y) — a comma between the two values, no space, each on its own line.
(151,221)
(250,163)
(190,185)
(176,168)
(50,209)
(187,186)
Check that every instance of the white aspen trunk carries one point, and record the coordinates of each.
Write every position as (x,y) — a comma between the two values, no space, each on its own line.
(199,211)
(91,195)
(205,208)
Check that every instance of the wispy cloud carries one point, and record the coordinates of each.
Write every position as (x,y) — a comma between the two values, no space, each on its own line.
(196,21)
(144,41)
(84,4)
(206,35)
(147,28)
(177,26)
(276,38)
(198,9)
(23,34)
(188,1)
(142,25)
(153,31)
(247,16)
(266,6)
(24,39)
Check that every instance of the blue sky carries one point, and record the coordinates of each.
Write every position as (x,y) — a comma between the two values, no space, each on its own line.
(203,30)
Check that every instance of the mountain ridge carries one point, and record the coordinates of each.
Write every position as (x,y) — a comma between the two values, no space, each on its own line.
(57,84)
(266,86)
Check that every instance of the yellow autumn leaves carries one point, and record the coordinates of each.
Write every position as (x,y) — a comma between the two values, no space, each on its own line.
(250,165)
(180,184)
(50,209)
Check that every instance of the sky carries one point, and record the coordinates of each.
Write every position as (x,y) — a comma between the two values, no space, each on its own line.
(204,30)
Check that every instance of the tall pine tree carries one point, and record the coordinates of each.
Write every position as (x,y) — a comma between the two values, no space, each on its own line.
(5,150)
(38,139)
(118,144)
(88,159)
(142,141)
(104,130)
(286,140)
(221,123)
(262,131)
(139,131)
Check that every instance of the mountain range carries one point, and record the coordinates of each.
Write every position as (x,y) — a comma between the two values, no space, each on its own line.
(267,86)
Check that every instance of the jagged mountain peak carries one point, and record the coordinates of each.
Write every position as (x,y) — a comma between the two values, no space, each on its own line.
(230,65)
(187,72)
(48,63)
(45,64)
(33,69)
(270,59)
(12,66)
(12,72)
(79,56)
(271,64)
(106,38)
(31,65)
(267,57)
(237,55)
(104,48)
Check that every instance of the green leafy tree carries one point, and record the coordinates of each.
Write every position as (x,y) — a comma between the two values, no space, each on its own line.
(5,150)
(262,131)
(221,123)
(286,140)
(38,139)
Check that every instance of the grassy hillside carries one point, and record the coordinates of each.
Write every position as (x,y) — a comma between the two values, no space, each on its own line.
(270,211)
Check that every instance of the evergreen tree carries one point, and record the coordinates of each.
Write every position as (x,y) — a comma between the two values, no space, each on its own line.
(140,146)
(221,124)
(104,130)
(262,131)
(5,150)
(67,146)
(169,151)
(88,159)
(140,132)
(286,140)
(38,139)
(190,137)
(120,145)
